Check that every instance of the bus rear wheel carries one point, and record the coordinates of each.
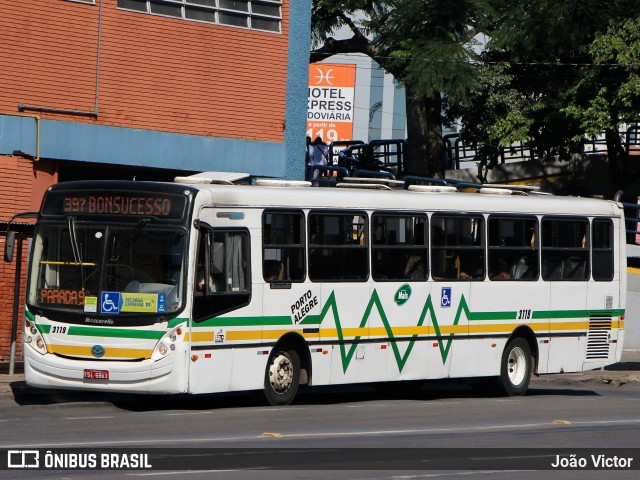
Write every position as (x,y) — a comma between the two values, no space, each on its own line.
(282,377)
(515,371)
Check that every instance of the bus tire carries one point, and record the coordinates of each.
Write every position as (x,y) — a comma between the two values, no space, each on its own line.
(515,371)
(282,377)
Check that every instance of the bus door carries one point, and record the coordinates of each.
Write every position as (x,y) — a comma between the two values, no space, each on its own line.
(565,265)
(399,270)
(512,294)
(604,342)
(226,311)
(289,301)
(339,265)
(457,249)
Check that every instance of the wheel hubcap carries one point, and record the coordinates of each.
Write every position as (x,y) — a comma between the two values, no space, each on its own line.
(281,373)
(517,366)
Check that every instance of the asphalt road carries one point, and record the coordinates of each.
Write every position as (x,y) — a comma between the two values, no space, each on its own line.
(313,435)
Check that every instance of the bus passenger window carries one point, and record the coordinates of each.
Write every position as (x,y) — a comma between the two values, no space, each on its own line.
(398,247)
(338,247)
(602,252)
(565,248)
(283,246)
(513,252)
(222,281)
(457,247)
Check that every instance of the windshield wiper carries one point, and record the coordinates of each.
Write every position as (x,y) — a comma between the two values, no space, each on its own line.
(75,248)
(141,224)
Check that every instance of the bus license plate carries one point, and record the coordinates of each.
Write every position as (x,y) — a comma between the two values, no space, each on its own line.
(96,374)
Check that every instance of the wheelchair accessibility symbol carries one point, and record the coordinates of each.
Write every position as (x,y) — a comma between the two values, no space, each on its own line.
(445,299)
(110,302)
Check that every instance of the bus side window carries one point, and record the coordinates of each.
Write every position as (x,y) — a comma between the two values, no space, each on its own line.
(399,247)
(283,248)
(223,275)
(338,247)
(602,251)
(457,247)
(513,252)
(565,248)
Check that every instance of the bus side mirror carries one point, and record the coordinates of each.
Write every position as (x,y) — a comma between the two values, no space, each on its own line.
(9,245)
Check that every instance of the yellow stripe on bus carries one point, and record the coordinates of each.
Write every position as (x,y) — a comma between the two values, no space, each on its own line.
(199,336)
(349,334)
(399,331)
(110,352)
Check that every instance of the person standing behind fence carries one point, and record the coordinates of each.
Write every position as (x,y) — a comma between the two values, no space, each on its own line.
(318,155)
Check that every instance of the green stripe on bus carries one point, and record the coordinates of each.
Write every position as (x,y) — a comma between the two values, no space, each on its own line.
(484,316)
(544,314)
(115,332)
(244,322)
(174,322)
(44,329)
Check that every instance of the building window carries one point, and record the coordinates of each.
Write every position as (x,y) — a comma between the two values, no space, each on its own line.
(254,14)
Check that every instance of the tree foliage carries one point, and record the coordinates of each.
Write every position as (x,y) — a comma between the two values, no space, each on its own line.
(609,94)
(551,73)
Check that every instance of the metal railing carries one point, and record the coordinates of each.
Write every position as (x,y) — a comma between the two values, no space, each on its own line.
(390,155)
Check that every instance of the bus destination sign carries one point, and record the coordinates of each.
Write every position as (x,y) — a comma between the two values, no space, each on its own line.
(115,203)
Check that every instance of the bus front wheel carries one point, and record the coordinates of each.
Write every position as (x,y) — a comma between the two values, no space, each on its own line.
(282,377)
(515,371)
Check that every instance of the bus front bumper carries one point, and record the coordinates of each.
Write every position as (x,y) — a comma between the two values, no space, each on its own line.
(165,376)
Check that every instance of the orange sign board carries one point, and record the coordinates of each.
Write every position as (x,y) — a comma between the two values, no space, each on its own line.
(330,105)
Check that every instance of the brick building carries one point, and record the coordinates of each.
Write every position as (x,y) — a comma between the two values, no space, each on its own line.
(145,89)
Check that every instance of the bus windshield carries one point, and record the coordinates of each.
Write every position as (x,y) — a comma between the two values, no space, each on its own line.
(99,268)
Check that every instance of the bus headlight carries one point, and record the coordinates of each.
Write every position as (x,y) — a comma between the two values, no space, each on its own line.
(33,338)
(167,344)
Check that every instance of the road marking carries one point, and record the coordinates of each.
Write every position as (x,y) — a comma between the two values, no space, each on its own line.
(87,418)
(185,413)
(454,474)
(179,472)
(367,406)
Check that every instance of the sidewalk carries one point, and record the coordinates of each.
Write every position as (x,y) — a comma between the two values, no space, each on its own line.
(627,371)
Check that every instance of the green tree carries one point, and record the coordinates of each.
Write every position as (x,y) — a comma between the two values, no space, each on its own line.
(540,60)
(609,94)
(494,116)
(424,44)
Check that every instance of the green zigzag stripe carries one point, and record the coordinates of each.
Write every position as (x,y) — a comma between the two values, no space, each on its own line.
(347,355)
(444,343)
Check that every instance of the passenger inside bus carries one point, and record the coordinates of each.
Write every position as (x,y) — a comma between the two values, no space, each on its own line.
(273,270)
(501,270)
(200,284)
(414,269)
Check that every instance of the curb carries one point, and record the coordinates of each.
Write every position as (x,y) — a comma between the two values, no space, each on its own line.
(603,377)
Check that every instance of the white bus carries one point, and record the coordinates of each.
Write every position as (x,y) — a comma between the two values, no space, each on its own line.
(204,286)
